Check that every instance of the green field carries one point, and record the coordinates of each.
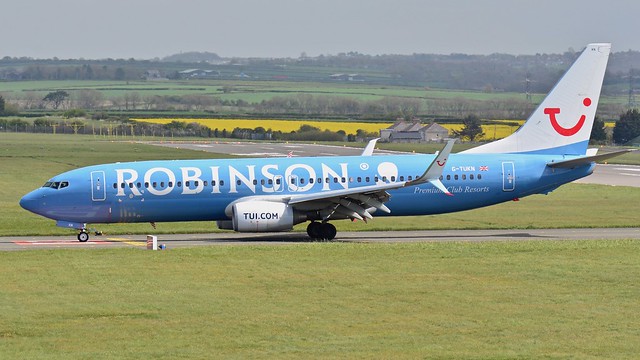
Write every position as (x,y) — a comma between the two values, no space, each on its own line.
(28,160)
(497,300)
(256,91)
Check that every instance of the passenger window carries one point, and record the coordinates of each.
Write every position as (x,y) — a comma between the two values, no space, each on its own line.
(186,184)
(448,177)
(409,177)
(146,185)
(115,186)
(393,178)
(455,177)
(375,179)
(342,180)
(278,181)
(367,179)
(270,182)
(155,184)
(359,179)
(138,185)
(255,182)
(464,177)
(130,185)
(471,177)
(196,183)
(335,180)
(238,182)
(301,180)
(162,184)
(122,186)
(221,182)
(401,178)
(205,183)
(384,179)
(310,180)
(479,176)
(170,184)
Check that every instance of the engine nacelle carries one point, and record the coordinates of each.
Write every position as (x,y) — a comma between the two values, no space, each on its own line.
(264,216)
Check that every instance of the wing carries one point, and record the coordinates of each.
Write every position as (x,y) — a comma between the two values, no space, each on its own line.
(360,202)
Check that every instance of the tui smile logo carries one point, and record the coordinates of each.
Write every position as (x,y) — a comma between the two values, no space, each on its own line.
(552,112)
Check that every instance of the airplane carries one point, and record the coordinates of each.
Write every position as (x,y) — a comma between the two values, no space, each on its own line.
(274,194)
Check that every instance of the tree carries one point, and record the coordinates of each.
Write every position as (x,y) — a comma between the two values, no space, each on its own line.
(1,105)
(627,128)
(598,134)
(56,98)
(471,128)
(119,74)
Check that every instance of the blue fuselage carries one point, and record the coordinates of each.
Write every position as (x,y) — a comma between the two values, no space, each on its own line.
(193,190)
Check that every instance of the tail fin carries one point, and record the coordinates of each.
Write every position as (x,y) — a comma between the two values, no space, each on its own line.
(563,121)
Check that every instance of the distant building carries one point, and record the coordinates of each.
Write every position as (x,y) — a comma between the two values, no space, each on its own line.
(347,77)
(152,75)
(198,74)
(413,132)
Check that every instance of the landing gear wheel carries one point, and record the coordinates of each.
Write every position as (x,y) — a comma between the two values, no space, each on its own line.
(313,229)
(327,232)
(83,236)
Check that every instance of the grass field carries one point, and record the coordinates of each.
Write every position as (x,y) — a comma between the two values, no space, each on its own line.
(526,299)
(530,299)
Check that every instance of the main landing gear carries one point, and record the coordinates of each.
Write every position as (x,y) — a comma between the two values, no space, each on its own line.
(321,231)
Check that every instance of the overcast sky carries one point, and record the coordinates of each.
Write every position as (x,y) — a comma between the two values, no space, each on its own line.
(144,29)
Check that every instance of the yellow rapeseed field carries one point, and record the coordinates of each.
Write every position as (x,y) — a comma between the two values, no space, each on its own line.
(277,125)
(496,131)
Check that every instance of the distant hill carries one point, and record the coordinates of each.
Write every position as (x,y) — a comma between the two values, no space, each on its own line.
(193,57)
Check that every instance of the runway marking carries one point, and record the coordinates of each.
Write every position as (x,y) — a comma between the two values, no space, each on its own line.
(627,169)
(59,242)
(128,241)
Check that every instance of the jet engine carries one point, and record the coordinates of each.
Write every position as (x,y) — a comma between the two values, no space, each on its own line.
(264,216)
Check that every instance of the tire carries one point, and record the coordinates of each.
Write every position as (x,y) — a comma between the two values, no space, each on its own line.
(83,236)
(314,229)
(328,231)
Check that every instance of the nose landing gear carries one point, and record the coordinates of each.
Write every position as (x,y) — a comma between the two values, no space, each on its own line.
(83,236)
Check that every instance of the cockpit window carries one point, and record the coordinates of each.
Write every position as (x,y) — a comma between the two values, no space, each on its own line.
(56,184)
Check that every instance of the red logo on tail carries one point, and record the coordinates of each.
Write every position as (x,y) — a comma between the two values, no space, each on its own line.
(552,112)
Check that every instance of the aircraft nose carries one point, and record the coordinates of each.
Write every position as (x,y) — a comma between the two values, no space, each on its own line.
(30,201)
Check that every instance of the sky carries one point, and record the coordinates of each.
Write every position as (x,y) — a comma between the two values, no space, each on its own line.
(146,29)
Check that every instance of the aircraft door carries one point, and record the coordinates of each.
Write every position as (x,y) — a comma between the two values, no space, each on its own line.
(98,188)
(508,176)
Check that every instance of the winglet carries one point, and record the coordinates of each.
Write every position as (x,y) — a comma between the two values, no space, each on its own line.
(433,172)
(368,150)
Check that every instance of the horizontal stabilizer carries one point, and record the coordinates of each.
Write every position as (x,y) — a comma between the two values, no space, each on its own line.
(585,159)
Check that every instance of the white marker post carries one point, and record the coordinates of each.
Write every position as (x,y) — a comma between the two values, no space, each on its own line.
(152,242)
